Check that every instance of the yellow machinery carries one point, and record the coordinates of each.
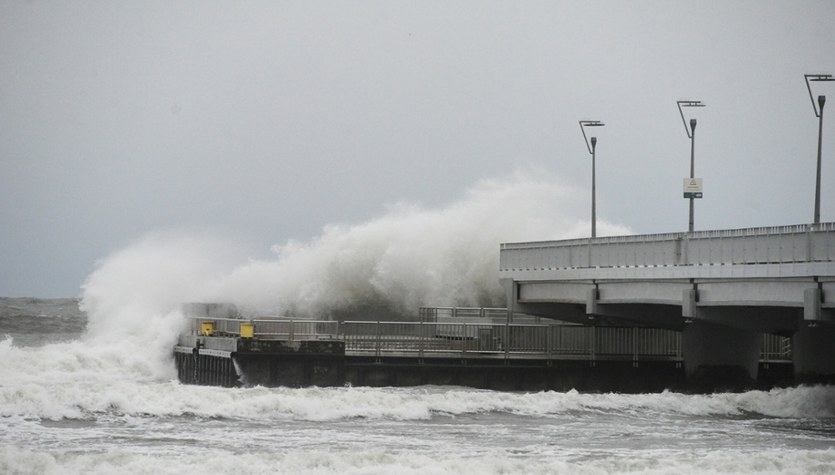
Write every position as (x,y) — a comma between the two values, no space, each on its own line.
(247,329)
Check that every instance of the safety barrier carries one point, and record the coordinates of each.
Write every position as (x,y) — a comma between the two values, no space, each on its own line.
(436,339)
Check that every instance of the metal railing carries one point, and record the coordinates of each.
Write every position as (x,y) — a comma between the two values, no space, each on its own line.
(776,348)
(271,329)
(769,245)
(434,339)
(433,314)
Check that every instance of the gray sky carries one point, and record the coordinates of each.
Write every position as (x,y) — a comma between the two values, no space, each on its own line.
(266,121)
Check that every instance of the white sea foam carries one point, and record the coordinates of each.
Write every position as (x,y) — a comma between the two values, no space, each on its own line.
(379,461)
(71,381)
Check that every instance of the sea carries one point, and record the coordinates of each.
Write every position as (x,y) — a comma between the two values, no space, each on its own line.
(76,401)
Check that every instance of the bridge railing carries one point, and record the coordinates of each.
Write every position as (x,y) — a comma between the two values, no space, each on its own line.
(433,314)
(783,244)
(433,339)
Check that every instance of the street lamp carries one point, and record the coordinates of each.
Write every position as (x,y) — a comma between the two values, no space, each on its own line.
(693,187)
(818,114)
(591,148)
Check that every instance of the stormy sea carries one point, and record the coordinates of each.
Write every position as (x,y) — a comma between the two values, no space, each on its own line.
(74,399)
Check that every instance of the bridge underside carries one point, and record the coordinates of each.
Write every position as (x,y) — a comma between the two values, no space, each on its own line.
(765,305)
(721,320)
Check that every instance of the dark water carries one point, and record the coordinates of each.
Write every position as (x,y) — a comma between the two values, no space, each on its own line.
(100,397)
(33,322)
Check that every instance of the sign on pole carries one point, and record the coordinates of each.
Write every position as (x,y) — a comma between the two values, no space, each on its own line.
(692,187)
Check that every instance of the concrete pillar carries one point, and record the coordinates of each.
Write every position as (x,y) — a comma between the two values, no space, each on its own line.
(717,357)
(688,303)
(813,352)
(812,304)
(592,296)
(511,290)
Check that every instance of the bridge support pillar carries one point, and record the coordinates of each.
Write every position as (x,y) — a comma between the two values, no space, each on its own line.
(813,353)
(511,294)
(717,357)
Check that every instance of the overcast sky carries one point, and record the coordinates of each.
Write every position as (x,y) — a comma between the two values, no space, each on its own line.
(266,121)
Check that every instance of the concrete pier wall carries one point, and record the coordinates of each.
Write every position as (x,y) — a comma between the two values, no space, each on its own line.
(717,356)
(606,376)
(206,369)
(291,363)
(813,351)
(324,363)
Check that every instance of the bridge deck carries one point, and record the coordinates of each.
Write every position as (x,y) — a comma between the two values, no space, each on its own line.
(765,279)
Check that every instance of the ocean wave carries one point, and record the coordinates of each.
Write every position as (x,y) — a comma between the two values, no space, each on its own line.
(86,393)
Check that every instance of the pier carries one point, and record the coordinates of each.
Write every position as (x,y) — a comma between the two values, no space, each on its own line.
(448,346)
(706,310)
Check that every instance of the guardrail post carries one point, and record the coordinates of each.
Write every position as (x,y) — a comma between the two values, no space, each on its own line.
(421,341)
(635,346)
(678,346)
(377,350)
(548,343)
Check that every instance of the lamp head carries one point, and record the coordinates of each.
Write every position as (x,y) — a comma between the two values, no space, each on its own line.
(810,78)
(590,123)
(681,104)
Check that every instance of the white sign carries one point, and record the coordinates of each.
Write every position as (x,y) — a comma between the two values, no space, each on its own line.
(692,187)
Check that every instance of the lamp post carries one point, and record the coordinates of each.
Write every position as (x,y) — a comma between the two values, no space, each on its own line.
(591,148)
(819,115)
(694,190)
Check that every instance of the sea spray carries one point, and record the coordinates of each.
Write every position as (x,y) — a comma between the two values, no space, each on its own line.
(411,256)
(408,257)
(133,298)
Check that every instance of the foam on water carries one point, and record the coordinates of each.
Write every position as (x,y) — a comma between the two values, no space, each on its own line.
(71,381)
(371,461)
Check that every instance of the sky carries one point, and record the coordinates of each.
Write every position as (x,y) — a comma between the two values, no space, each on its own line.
(267,122)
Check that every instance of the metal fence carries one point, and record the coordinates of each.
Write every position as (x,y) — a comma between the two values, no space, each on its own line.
(776,348)
(434,339)
(434,314)
(272,329)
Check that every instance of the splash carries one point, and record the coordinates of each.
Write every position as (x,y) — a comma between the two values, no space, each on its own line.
(411,256)
(408,257)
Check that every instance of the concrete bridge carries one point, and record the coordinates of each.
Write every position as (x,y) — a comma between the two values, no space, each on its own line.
(722,289)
